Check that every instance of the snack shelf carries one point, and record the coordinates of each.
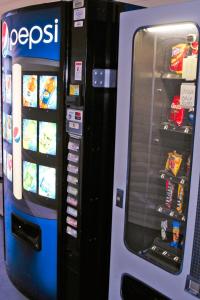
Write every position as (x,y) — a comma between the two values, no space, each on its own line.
(170,213)
(174,76)
(171,76)
(164,174)
(163,250)
(168,126)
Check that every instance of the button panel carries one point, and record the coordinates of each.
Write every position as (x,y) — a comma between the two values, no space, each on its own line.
(72,169)
(73,180)
(72,211)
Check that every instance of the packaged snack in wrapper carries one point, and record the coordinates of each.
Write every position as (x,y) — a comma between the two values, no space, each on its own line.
(193,44)
(164,227)
(170,187)
(188,165)
(177,112)
(179,52)
(176,234)
(180,198)
(173,163)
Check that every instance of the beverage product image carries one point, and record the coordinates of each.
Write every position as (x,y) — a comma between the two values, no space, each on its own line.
(8,88)
(30,90)
(9,166)
(47,182)
(30,176)
(48,92)
(30,134)
(47,138)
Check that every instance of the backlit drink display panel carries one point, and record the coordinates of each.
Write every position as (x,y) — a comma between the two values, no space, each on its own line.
(9,128)
(8,85)
(9,166)
(30,90)
(30,134)
(48,92)
(47,138)
(47,182)
(30,176)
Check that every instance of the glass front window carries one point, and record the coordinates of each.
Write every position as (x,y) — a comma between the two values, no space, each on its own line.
(161,142)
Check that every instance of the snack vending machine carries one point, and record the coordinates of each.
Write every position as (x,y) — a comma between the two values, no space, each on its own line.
(59,95)
(155,227)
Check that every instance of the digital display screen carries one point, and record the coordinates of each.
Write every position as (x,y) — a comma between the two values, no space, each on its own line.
(30,176)
(9,128)
(30,134)
(9,166)
(8,85)
(4,127)
(3,87)
(30,90)
(47,182)
(47,138)
(48,92)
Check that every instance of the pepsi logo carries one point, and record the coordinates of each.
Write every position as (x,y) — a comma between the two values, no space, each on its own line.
(5,39)
(16,134)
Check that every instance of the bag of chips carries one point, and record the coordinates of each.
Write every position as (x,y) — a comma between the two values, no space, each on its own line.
(179,52)
(173,163)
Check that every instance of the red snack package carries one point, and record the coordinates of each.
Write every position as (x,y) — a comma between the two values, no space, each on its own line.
(179,52)
(177,112)
(195,48)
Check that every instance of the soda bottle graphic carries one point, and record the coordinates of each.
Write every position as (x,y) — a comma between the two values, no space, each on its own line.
(49,87)
(29,97)
(31,84)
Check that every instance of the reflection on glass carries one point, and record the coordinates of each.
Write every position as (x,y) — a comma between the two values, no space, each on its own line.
(47,182)
(30,134)
(8,86)
(30,90)
(163,115)
(9,167)
(48,92)
(30,176)
(47,138)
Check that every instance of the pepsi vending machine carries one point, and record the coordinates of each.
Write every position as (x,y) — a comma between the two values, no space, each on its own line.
(156,208)
(58,89)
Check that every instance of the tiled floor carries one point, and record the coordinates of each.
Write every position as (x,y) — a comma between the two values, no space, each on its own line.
(7,290)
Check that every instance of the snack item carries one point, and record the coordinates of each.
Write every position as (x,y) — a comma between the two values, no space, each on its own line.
(176,234)
(188,164)
(193,43)
(164,226)
(191,116)
(177,112)
(173,163)
(179,52)
(180,198)
(170,187)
